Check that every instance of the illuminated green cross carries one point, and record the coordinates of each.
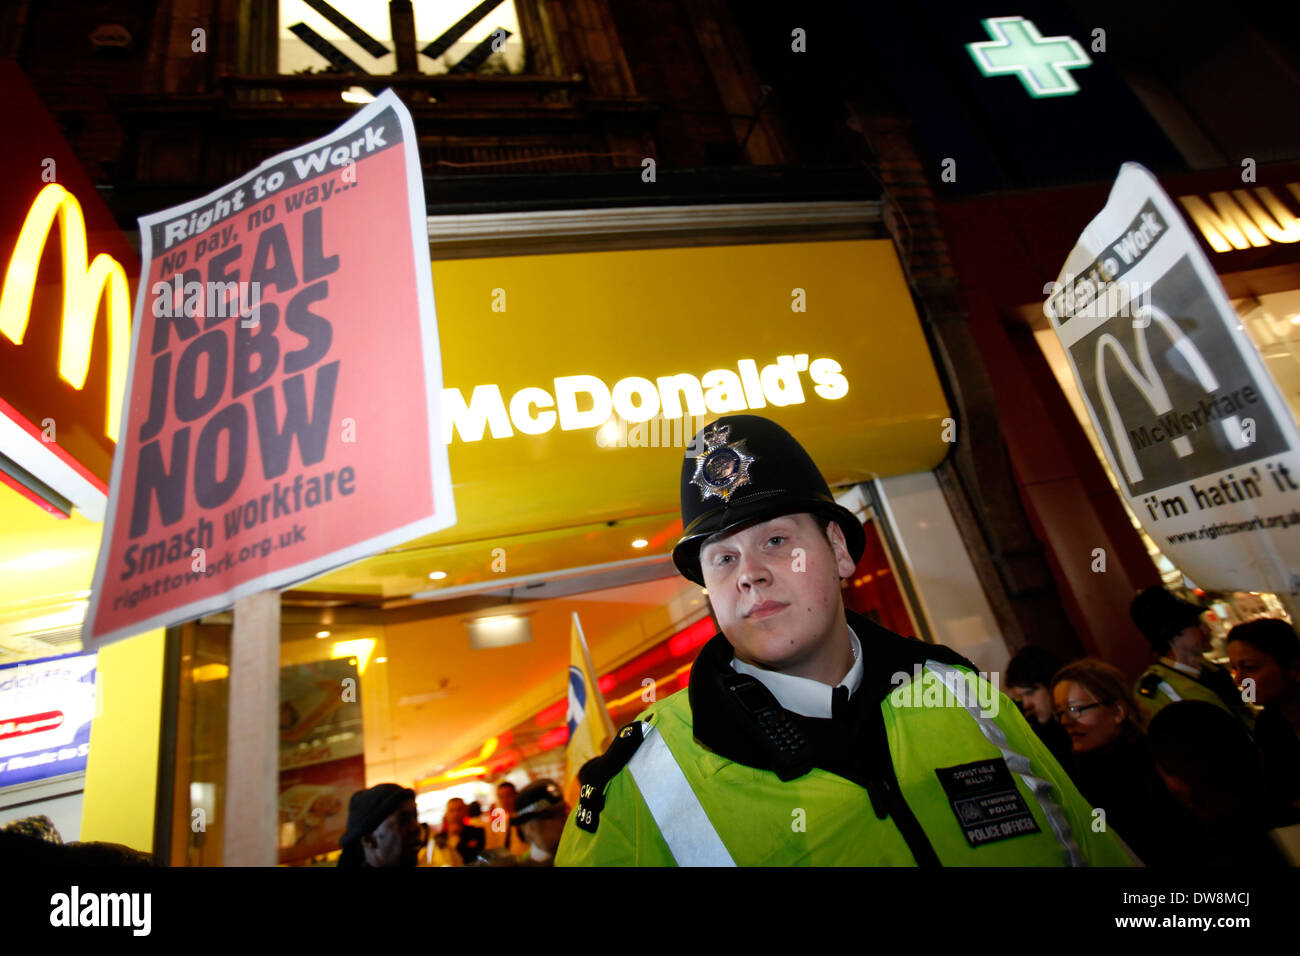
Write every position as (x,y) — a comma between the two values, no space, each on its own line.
(1040,62)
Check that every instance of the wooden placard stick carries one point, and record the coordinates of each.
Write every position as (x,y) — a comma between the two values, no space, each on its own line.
(251,815)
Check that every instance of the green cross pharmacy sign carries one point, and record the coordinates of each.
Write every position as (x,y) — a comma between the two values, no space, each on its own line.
(1040,62)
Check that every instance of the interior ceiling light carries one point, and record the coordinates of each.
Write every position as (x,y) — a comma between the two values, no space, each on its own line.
(500,630)
(640,543)
(322,633)
(437,575)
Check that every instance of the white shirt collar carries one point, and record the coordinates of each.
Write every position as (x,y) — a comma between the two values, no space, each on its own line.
(803,695)
(1188,669)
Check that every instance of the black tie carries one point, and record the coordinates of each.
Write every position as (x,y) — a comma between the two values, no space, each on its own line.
(839,702)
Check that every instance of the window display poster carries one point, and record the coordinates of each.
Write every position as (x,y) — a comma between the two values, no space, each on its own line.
(320,713)
(46,708)
(322,755)
(314,806)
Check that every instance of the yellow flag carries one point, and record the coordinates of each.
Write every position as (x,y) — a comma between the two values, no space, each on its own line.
(590,729)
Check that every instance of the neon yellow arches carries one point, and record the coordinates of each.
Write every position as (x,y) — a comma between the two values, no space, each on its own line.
(83,288)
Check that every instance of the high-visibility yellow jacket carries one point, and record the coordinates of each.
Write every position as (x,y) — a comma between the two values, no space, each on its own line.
(1162,684)
(957,777)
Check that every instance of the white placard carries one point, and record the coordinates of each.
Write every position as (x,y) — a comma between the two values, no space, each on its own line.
(1204,447)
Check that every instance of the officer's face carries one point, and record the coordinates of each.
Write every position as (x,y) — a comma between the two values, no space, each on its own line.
(545,832)
(1191,640)
(775,589)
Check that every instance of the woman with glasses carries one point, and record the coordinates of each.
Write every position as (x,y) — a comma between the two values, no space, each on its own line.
(1112,768)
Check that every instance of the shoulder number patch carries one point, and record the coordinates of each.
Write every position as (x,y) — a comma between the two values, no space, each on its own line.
(597,773)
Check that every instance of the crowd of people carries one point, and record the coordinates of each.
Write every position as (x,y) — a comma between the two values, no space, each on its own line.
(1196,764)
(522,829)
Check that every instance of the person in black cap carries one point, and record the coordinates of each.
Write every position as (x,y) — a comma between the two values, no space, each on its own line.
(383,828)
(540,812)
(808,735)
(1181,671)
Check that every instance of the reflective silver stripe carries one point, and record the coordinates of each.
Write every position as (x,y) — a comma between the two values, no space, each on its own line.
(686,829)
(1137,860)
(1168,691)
(1017,762)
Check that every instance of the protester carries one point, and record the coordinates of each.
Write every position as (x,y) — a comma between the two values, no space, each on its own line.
(540,819)
(502,834)
(426,845)
(465,840)
(1266,653)
(1180,641)
(1111,765)
(1210,764)
(506,793)
(35,842)
(441,852)
(1029,683)
(40,826)
(383,828)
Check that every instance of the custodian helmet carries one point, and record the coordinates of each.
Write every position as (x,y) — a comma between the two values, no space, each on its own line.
(742,469)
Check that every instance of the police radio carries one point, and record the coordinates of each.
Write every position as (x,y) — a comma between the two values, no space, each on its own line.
(783,741)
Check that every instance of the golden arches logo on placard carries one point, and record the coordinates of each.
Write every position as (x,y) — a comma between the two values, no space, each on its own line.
(83,287)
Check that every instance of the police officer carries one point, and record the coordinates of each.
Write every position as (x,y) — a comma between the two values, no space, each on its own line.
(808,735)
(1181,671)
(540,818)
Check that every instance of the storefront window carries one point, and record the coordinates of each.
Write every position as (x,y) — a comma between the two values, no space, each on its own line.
(333,718)
(199,807)
(1273,324)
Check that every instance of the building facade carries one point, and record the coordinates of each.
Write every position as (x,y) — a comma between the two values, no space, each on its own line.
(662,179)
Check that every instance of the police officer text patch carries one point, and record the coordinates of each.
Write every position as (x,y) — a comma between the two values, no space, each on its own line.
(986,802)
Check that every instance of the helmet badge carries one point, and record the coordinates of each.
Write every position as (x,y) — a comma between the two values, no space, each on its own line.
(721,468)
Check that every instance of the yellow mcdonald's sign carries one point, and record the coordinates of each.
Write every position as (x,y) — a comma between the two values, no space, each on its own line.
(83,287)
